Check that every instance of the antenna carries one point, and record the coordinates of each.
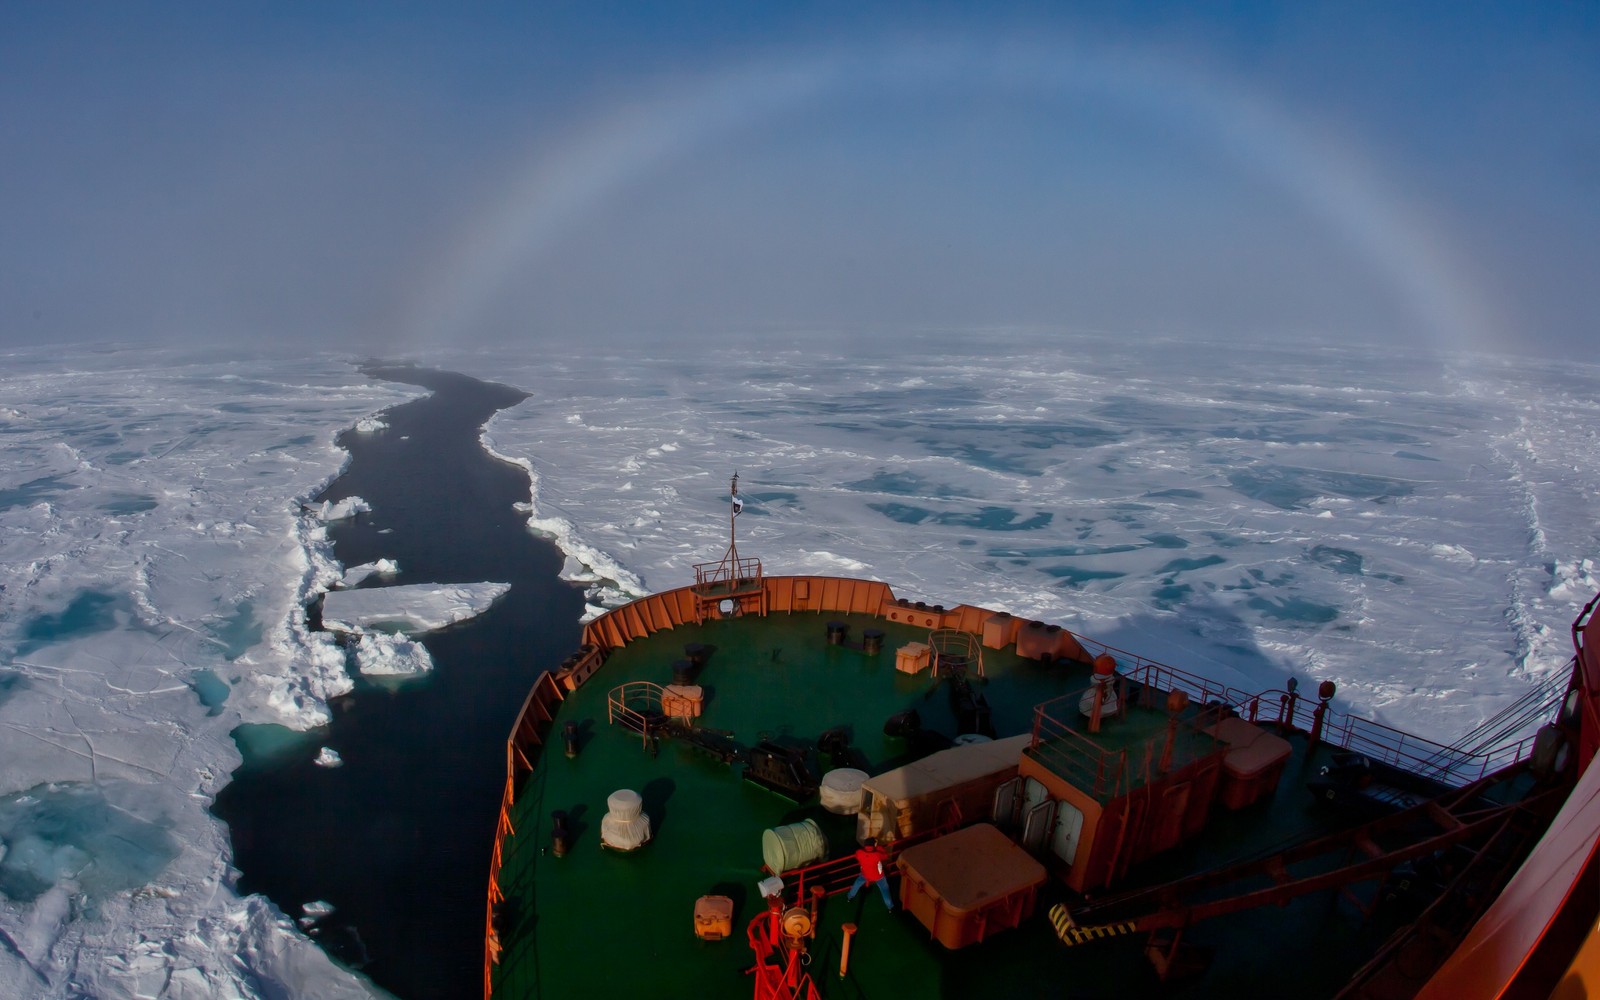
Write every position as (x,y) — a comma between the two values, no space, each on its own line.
(734,580)
(735,505)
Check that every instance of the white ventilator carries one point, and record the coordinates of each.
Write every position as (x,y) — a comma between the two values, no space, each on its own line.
(625,826)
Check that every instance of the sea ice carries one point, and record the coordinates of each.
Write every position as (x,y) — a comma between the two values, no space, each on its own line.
(328,757)
(383,654)
(151,537)
(356,574)
(1414,528)
(339,510)
(410,608)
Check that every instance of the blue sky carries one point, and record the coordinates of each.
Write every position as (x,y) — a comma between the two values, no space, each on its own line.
(385,176)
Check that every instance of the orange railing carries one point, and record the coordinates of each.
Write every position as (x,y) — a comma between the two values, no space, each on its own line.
(727,573)
(839,874)
(527,733)
(622,706)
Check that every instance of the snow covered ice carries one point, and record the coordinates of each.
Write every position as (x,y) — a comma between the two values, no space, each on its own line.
(421,607)
(154,558)
(380,567)
(1420,530)
(385,618)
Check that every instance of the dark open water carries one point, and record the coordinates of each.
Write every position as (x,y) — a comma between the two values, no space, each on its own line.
(398,838)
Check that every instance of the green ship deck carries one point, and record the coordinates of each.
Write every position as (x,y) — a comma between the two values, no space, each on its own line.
(601,923)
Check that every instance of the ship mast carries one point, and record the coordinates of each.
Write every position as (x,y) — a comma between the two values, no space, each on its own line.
(735,505)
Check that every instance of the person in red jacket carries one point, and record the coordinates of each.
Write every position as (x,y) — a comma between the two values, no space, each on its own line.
(874,870)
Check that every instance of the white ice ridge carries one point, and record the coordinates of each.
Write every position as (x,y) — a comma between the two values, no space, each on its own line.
(409,608)
(610,584)
(340,510)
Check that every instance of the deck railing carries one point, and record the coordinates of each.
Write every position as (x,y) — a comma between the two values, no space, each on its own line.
(729,573)
(1101,771)
(839,874)
(1295,710)
(527,734)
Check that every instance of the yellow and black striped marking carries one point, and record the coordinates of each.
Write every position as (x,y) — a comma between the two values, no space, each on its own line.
(1071,934)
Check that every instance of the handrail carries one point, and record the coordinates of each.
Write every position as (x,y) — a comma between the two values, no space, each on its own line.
(744,568)
(838,874)
(1110,773)
(617,705)
(1452,765)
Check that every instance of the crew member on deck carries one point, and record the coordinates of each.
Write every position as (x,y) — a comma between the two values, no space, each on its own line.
(874,870)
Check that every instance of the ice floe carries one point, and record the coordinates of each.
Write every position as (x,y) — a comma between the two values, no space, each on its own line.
(340,510)
(409,608)
(380,654)
(356,574)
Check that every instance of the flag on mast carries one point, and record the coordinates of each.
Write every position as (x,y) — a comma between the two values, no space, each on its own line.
(738,506)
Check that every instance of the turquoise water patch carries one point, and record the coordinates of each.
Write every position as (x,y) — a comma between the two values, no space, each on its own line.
(1060,551)
(91,611)
(998,519)
(1075,576)
(1295,610)
(294,442)
(1339,560)
(212,690)
(902,512)
(1413,456)
(984,518)
(1175,494)
(986,458)
(1291,488)
(774,498)
(1166,541)
(1184,565)
(34,491)
(69,830)
(122,457)
(126,504)
(238,632)
(265,744)
(1172,596)
(1225,540)
(905,484)
(10,683)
